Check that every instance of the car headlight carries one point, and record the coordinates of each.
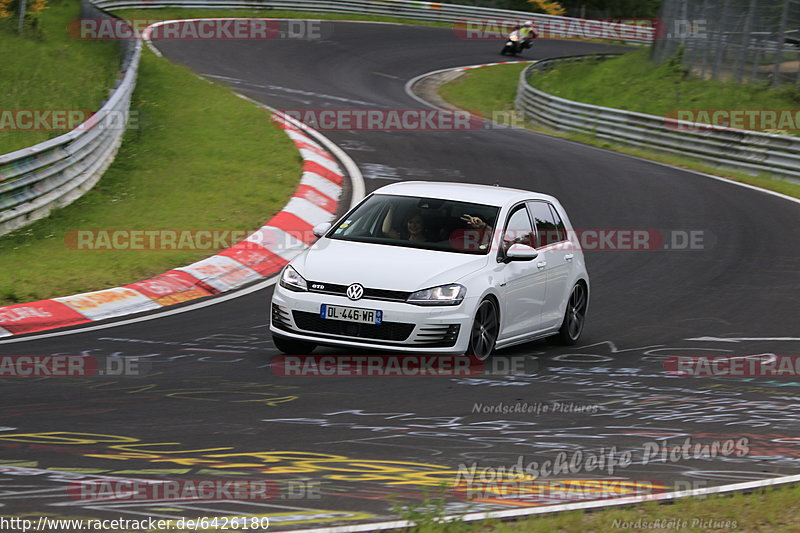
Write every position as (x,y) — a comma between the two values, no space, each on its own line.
(293,281)
(443,295)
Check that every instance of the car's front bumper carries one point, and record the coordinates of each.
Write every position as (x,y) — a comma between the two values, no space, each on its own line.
(405,327)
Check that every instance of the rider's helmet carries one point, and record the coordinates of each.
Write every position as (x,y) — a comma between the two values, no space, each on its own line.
(528,24)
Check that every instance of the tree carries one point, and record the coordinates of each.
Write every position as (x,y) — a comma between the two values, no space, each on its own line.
(24,10)
(548,6)
(613,8)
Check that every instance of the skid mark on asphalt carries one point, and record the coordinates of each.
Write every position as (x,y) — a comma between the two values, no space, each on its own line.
(288,91)
(379,171)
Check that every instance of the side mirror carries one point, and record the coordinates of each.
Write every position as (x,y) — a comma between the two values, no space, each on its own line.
(520,252)
(321,229)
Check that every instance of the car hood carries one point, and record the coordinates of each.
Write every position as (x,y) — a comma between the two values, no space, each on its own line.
(383,266)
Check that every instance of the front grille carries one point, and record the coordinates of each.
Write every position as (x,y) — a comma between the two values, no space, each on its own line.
(372,294)
(386,331)
(439,335)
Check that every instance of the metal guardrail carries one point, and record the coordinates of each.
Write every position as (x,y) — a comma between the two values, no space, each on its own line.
(410,9)
(54,173)
(35,180)
(743,150)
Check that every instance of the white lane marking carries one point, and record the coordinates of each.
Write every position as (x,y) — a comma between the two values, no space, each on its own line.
(546,509)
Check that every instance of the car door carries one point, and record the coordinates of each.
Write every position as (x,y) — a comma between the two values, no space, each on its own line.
(557,256)
(523,283)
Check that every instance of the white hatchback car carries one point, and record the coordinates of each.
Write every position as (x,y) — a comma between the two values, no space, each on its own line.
(436,268)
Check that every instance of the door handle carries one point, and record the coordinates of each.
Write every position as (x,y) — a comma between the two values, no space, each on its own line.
(569,257)
(541,264)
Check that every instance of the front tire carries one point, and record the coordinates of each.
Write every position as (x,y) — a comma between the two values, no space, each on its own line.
(574,316)
(293,346)
(485,327)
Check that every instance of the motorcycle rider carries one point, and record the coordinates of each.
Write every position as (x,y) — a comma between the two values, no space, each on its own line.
(522,36)
(514,44)
(527,33)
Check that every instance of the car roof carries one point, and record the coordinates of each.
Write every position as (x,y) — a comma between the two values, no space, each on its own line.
(464,192)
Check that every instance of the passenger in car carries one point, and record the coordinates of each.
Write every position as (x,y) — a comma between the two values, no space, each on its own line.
(475,222)
(415,228)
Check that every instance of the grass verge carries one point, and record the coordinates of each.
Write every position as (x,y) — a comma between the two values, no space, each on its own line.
(490,91)
(767,510)
(51,70)
(201,158)
(639,85)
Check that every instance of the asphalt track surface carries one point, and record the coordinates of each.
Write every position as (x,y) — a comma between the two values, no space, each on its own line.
(209,407)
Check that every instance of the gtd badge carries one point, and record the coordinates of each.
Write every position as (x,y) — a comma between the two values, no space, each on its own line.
(355,291)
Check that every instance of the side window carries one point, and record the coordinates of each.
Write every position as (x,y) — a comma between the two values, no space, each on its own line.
(518,229)
(560,228)
(549,230)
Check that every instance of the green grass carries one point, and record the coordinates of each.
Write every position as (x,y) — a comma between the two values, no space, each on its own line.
(48,69)
(490,91)
(486,90)
(768,510)
(633,83)
(201,158)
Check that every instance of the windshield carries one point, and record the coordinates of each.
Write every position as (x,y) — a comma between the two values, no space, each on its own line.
(425,223)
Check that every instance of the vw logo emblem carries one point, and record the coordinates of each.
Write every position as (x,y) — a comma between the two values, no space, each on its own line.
(355,291)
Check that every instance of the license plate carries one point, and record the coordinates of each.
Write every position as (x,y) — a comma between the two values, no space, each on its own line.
(351,314)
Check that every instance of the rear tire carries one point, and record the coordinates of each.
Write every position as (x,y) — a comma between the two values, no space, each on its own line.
(574,316)
(292,346)
(485,327)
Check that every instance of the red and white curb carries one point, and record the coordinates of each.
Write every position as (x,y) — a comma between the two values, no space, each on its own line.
(259,256)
